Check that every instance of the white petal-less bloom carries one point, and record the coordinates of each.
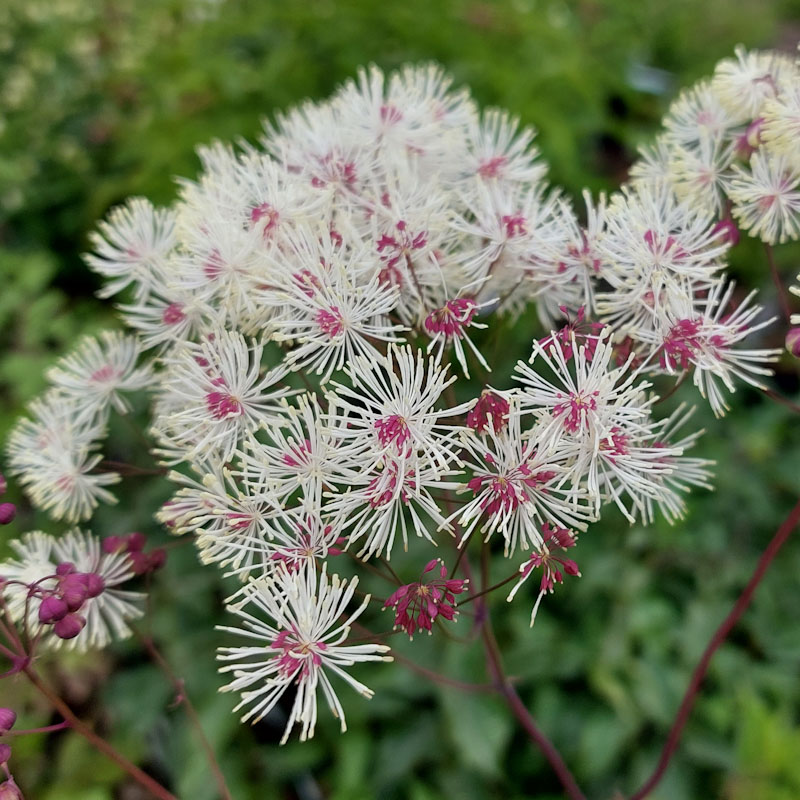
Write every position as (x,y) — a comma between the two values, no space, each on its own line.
(519,481)
(743,84)
(36,557)
(132,247)
(654,165)
(380,502)
(298,623)
(95,374)
(220,394)
(229,524)
(391,409)
(701,172)
(704,340)
(767,198)
(698,114)
(333,312)
(684,471)
(293,452)
(660,252)
(781,129)
(53,455)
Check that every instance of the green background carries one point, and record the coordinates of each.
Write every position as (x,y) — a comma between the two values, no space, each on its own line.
(101,100)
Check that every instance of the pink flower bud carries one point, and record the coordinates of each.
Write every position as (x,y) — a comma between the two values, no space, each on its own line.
(136,542)
(140,562)
(74,591)
(114,544)
(68,628)
(158,558)
(52,609)
(7,513)
(65,568)
(95,585)
(5,753)
(7,720)
(793,342)
(9,790)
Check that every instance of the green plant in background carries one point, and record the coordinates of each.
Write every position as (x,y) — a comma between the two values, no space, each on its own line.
(652,598)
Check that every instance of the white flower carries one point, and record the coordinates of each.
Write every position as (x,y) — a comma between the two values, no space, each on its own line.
(52,453)
(390,411)
(93,375)
(767,198)
(781,128)
(105,615)
(704,341)
(219,393)
(743,84)
(132,247)
(698,114)
(518,481)
(301,644)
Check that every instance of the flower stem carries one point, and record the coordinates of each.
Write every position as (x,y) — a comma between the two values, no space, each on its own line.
(191,712)
(742,602)
(783,297)
(494,664)
(141,777)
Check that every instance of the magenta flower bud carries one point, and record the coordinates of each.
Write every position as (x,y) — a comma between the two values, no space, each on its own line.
(7,513)
(74,591)
(114,544)
(5,753)
(95,585)
(65,568)
(793,342)
(3,484)
(9,790)
(136,542)
(52,609)
(140,562)
(570,567)
(158,558)
(7,720)
(68,628)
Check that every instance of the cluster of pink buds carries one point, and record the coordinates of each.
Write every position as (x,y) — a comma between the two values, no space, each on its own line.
(417,605)
(8,788)
(7,510)
(60,605)
(133,544)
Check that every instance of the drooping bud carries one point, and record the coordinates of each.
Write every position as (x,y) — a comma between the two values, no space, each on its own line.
(7,720)
(52,609)
(140,562)
(68,628)
(793,342)
(7,513)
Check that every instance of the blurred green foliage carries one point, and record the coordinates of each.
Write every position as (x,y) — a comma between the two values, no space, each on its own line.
(105,99)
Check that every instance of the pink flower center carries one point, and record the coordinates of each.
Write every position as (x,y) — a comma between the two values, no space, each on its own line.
(330,321)
(392,429)
(514,224)
(401,243)
(492,167)
(222,405)
(297,654)
(173,314)
(489,405)
(575,409)
(269,215)
(105,374)
(452,318)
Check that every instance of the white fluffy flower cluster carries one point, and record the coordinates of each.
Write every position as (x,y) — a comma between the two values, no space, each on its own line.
(356,252)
